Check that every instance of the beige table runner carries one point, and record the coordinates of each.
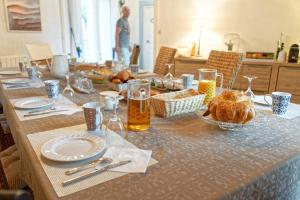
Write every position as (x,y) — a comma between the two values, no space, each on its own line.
(55,170)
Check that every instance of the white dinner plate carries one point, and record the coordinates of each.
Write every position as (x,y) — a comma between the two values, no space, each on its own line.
(10,72)
(36,103)
(259,99)
(73,147)
(16,81)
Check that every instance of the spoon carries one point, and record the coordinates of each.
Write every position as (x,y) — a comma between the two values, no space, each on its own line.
(88,166)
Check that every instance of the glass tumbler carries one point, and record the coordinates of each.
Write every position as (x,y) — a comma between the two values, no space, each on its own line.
(138,114)
(208,82)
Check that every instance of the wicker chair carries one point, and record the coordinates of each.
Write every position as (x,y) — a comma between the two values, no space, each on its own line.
(166,55)
(227,63)
(10,167)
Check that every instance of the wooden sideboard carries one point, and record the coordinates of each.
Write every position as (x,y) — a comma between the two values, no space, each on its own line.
(271,75)
(190,65)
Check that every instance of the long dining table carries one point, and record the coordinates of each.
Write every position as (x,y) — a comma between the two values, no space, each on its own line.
(196,160)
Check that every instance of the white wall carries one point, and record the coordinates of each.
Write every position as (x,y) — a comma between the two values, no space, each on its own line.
(258,22)
(12,43)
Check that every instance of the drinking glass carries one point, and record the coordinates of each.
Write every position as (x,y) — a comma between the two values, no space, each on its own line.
(208,82)
(115,123)
(138,96)
(68,91)
(169,75)
(249,92)
(36,64)
(23,64)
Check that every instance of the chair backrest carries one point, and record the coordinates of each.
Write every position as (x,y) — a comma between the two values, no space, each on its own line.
(166,55)
(38,52)
(15,195)
(12,61)
(135,54)
(227,63)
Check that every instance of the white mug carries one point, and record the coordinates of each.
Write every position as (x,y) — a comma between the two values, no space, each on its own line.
(187,80)
(109,105)
(280,102)
(93,116)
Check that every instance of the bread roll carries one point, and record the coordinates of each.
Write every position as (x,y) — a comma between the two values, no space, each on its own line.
(231,106)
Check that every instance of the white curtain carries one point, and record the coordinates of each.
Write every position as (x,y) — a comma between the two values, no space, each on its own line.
(91,23)
(106,34)
(75,22)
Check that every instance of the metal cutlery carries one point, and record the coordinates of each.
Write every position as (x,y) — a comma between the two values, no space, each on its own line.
(94,172)
(18,86)
(44,113)
(89,165)
(41,110)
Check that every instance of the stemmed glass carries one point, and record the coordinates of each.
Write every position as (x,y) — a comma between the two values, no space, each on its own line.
(249,92)
(68,91)
(115,123)
(169,75)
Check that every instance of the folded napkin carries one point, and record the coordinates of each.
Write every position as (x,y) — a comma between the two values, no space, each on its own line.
(139,159)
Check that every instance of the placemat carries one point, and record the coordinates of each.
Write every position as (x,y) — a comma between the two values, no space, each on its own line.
(32,84)
(55,170)
(62,103)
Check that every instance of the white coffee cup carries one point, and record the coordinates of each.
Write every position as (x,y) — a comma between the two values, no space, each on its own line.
(109,105)
(93,115)
(187,81)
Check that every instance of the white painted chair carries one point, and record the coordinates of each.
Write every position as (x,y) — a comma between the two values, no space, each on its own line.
(39,52)
(12,61)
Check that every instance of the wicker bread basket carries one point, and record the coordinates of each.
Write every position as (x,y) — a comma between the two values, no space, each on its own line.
(176,103)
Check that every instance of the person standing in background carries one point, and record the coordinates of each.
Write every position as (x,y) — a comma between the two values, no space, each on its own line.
(122,37)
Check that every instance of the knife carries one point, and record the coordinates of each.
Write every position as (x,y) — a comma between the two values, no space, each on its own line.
(96,171)
(40,110)
(43,113)
(18,86)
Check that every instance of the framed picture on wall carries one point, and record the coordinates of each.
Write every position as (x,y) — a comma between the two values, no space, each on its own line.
(23,15)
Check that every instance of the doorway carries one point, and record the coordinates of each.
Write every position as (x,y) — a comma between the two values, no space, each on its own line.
(147,34)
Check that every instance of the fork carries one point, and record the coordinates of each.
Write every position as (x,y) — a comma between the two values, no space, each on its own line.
(40,110)
(89,165)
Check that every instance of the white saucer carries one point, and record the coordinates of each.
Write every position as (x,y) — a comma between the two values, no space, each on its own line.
(263,100)
(111,94)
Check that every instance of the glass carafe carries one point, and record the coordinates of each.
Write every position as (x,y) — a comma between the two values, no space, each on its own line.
(138,116)
(208,82)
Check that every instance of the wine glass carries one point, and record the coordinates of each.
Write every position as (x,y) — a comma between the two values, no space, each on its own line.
(249,92)
(115,123)
(68,91)
(169,75)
